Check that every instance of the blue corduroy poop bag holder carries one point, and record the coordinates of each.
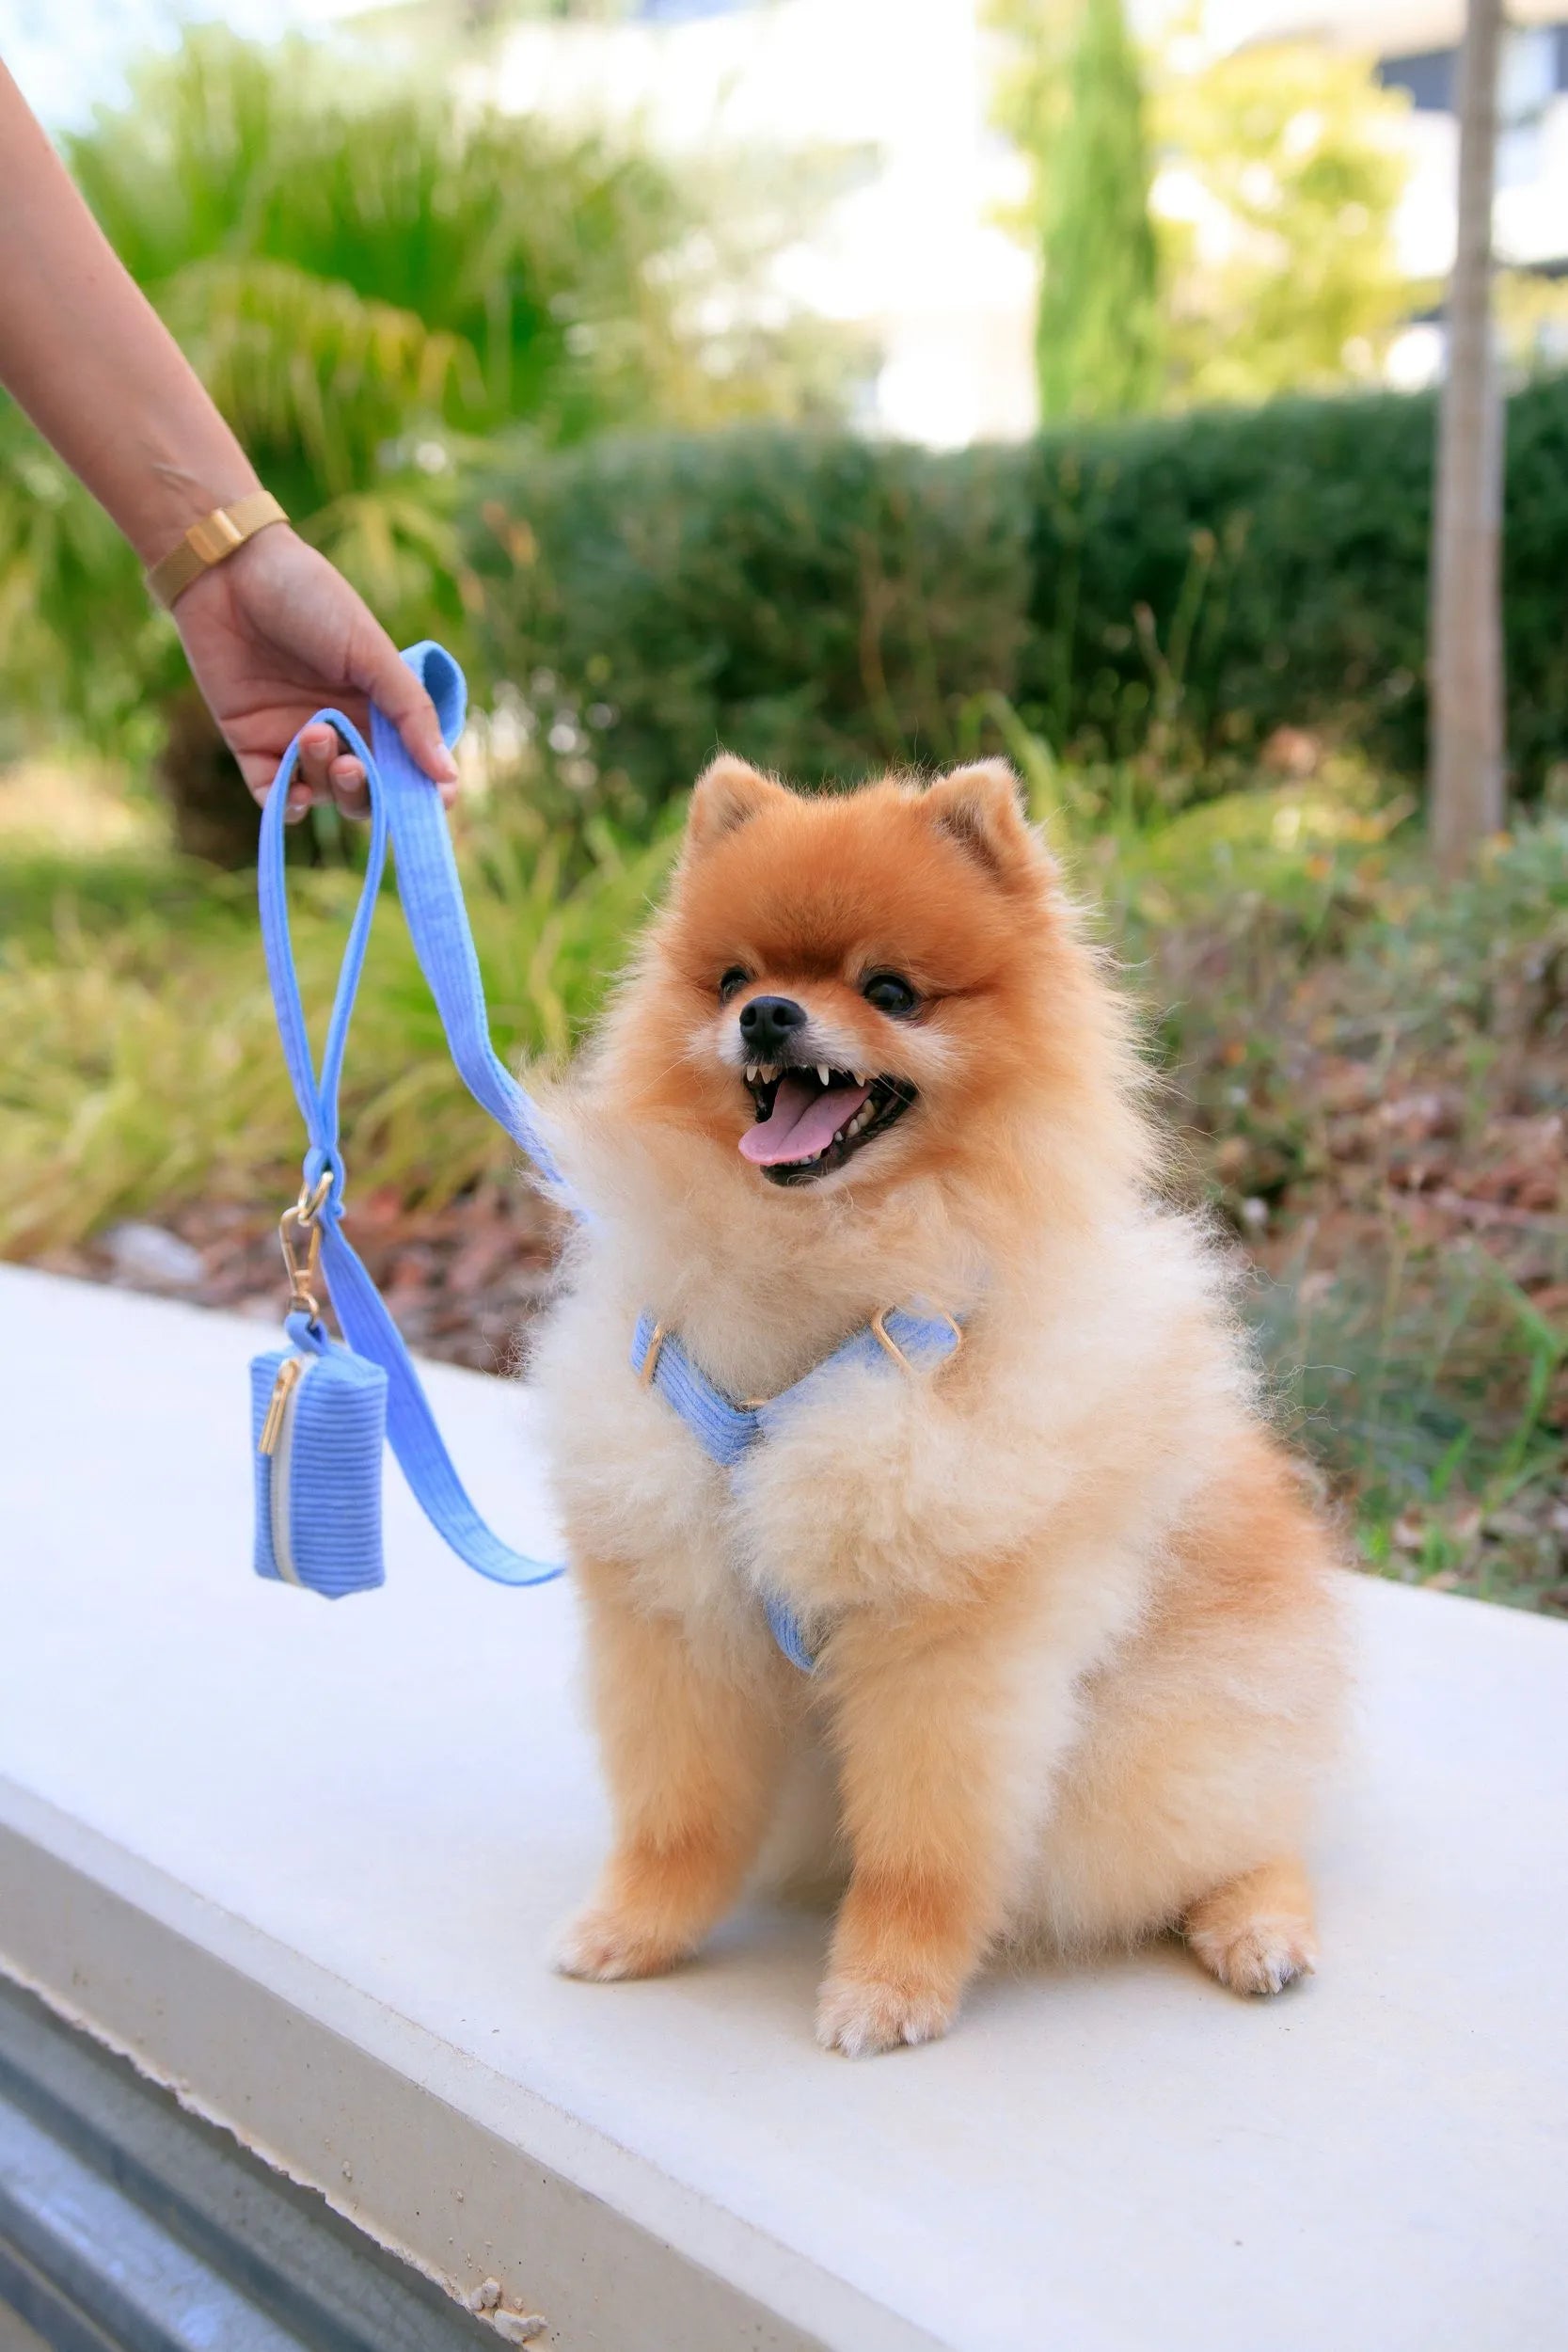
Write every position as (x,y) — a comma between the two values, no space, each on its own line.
(322,1412)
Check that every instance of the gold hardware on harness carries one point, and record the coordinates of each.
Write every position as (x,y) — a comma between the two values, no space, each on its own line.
(885,1340)
(879,1327)
(650,1362)
(289,1372)
(305,1217)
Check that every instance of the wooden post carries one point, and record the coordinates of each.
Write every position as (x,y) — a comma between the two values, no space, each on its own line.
(1466,653)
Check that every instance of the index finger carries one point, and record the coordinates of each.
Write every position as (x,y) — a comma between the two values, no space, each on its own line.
(394,688)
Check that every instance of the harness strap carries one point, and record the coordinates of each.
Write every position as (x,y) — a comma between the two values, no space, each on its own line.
(727,1431)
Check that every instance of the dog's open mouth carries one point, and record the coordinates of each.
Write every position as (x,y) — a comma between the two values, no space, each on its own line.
(810,1120)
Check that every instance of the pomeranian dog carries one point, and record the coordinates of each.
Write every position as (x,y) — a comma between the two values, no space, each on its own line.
(1077,1664)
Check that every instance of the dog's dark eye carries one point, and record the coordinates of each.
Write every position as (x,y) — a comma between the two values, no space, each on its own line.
(889,993)
(737,977)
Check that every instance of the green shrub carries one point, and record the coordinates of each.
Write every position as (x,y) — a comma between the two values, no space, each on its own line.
(1172,590)
(1235,571)
(818,603)
(1226,573)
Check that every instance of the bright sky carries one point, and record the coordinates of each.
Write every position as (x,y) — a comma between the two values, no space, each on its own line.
(69,54)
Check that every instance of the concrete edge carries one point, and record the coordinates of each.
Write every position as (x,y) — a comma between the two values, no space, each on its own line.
(442,2163)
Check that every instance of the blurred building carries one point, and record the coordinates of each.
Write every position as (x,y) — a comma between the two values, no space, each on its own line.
(911,249)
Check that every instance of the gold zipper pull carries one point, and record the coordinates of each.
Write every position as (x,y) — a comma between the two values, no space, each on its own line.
(272,1428)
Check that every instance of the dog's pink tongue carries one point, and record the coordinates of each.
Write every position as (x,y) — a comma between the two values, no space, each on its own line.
(804,1117)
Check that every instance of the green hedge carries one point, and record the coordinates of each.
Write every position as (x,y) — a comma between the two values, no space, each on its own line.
(1280,560)
(1234,573)
(1178,587)
(817,602)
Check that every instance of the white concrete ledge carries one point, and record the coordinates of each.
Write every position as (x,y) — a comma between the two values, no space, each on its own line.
(302,1860)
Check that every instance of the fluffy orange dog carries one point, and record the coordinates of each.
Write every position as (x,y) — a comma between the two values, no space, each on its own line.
(1078,1664)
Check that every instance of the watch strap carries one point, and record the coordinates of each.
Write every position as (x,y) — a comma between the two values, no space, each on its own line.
(208,541)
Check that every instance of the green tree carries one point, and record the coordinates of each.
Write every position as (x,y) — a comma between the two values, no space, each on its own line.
(1281,173)
(1076,105)
(1278,172)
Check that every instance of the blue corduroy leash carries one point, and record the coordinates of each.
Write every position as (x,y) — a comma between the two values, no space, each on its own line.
(406,806)
(319,1410)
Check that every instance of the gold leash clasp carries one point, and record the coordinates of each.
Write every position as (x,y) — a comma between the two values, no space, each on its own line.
(304,1218)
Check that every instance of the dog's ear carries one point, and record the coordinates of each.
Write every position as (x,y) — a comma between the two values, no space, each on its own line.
(981,808)
(727,795)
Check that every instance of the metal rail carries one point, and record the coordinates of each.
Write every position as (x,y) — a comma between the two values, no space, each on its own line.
(128,2226)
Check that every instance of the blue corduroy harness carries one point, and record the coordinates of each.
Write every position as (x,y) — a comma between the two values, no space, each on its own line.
(322,1412)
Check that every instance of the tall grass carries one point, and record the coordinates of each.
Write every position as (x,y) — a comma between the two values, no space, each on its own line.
(139,1067)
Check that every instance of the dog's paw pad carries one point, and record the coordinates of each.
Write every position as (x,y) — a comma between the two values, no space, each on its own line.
(608,1946)
(860,2015)
(1260,1956)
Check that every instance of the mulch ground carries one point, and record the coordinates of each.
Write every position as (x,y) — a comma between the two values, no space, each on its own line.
(463,1281)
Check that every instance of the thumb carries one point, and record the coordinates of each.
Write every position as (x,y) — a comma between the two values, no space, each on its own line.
(394,688)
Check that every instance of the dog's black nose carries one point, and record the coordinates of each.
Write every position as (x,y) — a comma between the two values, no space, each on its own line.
(767,1023)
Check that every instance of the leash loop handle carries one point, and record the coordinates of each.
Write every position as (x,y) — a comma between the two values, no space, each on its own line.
(317,1097)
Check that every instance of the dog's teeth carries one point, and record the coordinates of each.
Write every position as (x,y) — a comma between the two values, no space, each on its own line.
(859,1077)
(823,1071)
(751,1073)
(769,1071)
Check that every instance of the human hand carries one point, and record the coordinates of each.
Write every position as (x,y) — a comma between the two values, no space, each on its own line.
(272,634)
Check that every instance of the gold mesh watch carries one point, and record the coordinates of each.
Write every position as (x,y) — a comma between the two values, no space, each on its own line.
(209,540)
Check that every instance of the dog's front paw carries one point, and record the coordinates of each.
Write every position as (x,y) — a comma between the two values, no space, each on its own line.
(1261,1956)
(1255,1933)
(860,2015)
(606,1945)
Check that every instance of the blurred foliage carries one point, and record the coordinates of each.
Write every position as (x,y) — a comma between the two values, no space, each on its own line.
(1532,321)
(1285,277)
(1166,594)
(1277,174)
(139,1067)
(1081,120)
(372,281)
(819,603)
(1198,581)
(80,642)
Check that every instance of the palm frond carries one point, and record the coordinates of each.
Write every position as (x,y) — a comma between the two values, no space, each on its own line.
(293,359)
